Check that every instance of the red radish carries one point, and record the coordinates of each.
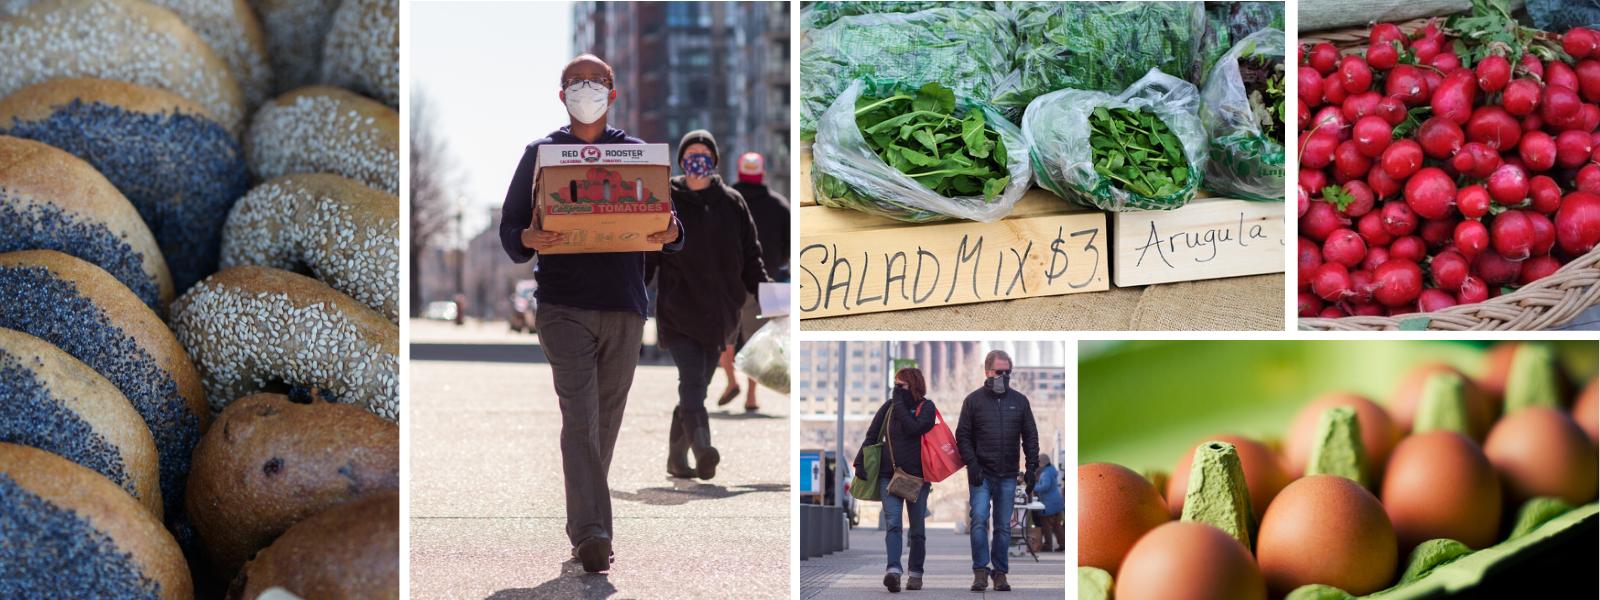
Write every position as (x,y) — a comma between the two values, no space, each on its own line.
(1316,151)
(1532,122)
(1588,179)
(1544,233)
(1533,65)
(1344,247)
(1372,135)
(1573,148)
(1384,33)
(1434,79)
(1320,220)
(1405,83)
(1431,300)
(1538,150)
(1496,270)
(1310,87)
(1473,290)
(1521,97)
(1588,72)
(1369,309)
(1324,58)
(1494,127)
(1362,199)
(1375,256)
(1410,248)
(1494,71)
(1558,73)
(1431,193)
(1580,42)
(1312,181)
(1400,160)
(1310,257)
(1305,114)
(1472,201)
(1446,62)
(1305,202)
(1425,49)
(1382,56)
(1578,222)
(1370,226)
(1333,92)
(1398,218)
(1453,99)
(1508,185)
(1588,118)
(1477,160)
(1449,269)
(1472,238)
(1349,162)
(1382,184)
(1332,282)
(1558,102)
(1331,118)
(1538,267)
(1333,312)
(1438,232)
(1355,74)
(1391,109)
(1398,283)
(1512,235)
(1545,193)
(1310,304)
(1361,286)
(1440,137)
(1360,105)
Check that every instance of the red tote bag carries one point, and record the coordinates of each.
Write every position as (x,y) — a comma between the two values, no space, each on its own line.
(939,456)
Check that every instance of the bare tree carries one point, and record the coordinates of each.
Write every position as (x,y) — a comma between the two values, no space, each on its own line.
(433,182)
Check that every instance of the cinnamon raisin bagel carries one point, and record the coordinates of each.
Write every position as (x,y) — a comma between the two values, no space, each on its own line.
(362,51)
(67,532)
(173,161)
(255,329)
(82,310)
(345,233)
(323,129)
(52,401)
(349,552)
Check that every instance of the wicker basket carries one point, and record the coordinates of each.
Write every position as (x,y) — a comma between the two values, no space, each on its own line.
(1543,304)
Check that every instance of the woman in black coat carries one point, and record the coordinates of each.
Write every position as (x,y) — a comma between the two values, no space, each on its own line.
(908,414)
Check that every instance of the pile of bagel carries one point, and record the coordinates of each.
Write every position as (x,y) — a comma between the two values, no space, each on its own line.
(199,282)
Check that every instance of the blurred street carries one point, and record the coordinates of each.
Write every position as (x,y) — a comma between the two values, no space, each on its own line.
(487,510)
(947,571)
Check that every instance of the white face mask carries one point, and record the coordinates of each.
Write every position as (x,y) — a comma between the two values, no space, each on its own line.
(587,104)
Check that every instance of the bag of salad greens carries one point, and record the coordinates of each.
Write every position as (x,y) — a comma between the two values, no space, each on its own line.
(1099,46)
(1227,23)
(1242,107)
(765,358)
(822,14)
(966,49)
(917,154)
(1143,149)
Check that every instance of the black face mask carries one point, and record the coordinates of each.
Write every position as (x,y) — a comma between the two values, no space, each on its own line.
(997,384)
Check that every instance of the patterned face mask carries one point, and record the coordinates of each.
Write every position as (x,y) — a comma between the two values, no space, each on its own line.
(698,165)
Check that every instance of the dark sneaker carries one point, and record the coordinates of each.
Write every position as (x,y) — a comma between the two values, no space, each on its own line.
(891,580)
(1000,584)
(594,553)
(980,579)
(913,583)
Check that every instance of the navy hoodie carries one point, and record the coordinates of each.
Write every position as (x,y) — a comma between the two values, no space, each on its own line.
(599,281)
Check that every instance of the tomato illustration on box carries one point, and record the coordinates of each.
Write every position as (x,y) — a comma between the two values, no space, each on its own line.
(605,197)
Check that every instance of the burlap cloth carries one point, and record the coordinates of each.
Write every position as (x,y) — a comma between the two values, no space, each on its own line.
(1252,303)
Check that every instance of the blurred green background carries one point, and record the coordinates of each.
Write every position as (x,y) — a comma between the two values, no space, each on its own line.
(1143,404)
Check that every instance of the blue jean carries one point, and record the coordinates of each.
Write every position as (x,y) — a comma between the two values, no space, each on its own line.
(696,364)
(995,496)
(893,507)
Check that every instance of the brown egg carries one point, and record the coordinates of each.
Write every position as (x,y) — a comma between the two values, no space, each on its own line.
(1586,411)
(1326,529)
(1402,407)
(1440,485)
(1183,560)
(1263,474)
(1540,452)
(1378,432)
(1115,507)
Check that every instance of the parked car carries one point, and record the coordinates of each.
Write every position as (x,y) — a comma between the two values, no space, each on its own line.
(523,306)
(441,310)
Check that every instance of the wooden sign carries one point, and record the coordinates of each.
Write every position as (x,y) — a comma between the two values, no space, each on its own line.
(1207,239)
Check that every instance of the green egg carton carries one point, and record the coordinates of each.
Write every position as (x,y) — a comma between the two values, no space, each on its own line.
(1143,404)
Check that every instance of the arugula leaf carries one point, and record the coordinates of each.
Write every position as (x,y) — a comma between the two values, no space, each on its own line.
(1137,152)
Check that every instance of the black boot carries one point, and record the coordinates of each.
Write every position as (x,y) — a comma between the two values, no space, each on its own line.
(678,449)
(705,456)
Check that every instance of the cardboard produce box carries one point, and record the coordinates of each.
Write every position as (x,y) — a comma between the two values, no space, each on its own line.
(604,197)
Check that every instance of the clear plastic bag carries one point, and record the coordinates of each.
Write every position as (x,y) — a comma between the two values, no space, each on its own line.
(846,173)
(1230,22)
(1099,46)
(969,50)
(1056,127)
(817,15)
(1244,161)
(766,356)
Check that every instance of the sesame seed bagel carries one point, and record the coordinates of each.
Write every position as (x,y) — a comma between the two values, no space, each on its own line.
(295,30)
(362,51)
(346,233)
(177,165)
(52,200)
(52,401)
(82,310)
(257,329)
(350,552)
(67,528)
(229,27)
(321,129)
(273,461)
(125,40)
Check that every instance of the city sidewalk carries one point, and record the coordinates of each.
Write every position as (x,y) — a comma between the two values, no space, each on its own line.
(487,510)
(858,572)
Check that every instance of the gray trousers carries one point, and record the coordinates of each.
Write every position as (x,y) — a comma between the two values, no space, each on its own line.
(592,355)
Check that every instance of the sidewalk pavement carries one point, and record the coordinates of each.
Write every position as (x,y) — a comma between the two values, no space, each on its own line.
(947,570)
(487,508)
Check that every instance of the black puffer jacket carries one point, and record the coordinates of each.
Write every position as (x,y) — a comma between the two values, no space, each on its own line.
(992,428)
(905,434)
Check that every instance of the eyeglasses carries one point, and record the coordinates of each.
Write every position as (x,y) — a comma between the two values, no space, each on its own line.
(591,82)
(1002,371)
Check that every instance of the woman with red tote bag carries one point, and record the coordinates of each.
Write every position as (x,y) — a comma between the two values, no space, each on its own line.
(907,415)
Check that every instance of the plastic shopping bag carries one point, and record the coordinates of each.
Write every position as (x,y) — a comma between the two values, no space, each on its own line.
(1246,159)
(765,357)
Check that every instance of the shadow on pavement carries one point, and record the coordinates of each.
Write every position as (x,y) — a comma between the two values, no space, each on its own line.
(513,353)
(741,416)
(683,492)
(571,583)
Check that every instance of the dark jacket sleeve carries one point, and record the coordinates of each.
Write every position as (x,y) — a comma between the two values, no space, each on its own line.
(674,245)
(1030,437)
(912,421)
(964,435)
(753,272)
(517,212)
(872,438)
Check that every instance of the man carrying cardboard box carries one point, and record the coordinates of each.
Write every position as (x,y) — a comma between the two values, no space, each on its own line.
(591,315)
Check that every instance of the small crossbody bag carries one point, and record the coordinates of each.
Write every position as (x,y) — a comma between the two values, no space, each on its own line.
(902,484)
